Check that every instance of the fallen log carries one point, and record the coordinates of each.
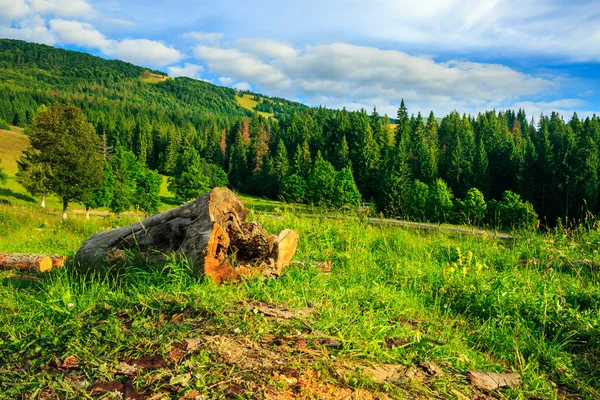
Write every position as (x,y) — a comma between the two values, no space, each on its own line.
(210,232)
(30,262)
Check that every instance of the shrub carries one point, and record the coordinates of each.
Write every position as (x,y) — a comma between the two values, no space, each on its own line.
(416,200)
(512,212)
(439,202)
(473,209)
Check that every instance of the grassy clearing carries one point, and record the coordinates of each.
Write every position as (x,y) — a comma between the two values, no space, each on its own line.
(247,101)
(149,77)
(392,297)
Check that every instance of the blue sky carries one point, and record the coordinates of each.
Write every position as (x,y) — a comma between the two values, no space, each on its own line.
(438,55)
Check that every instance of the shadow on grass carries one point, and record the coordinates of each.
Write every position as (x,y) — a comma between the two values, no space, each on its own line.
(170,201)
(9,193)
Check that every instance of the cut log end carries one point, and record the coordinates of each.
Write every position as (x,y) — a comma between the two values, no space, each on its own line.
(30,262)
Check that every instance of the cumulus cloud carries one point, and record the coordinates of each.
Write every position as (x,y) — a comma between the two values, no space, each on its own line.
(32,29)
(144,51)
(225,80)
(189,70)
(80,34)
(342,74)
(242,66)
(267,47)
(63,8)
(11,10)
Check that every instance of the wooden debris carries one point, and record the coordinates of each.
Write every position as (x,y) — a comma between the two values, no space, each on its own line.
(492,381)
(278,311)
(30,262)
(210,232)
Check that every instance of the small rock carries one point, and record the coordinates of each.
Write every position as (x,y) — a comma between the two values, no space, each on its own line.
(237,331)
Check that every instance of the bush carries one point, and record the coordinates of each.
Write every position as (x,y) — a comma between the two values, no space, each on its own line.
(439,202)
(473,209)
(416,200)
(4,125)
(321,182)
(293,189)
(512,212)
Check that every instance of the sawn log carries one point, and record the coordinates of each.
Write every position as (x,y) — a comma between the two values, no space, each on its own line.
(30,262)
(210,232)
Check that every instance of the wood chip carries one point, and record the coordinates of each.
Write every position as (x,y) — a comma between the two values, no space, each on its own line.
(492,381)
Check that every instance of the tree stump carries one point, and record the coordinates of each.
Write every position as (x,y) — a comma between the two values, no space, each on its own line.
(210,232)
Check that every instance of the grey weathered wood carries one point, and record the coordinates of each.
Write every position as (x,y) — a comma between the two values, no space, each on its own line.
(210,232)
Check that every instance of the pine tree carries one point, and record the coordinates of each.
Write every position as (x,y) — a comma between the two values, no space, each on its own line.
(321,182)
(395,182)
(345,192)
(281,165)
(302,161)
(189,181)
(403,128)
(124,166)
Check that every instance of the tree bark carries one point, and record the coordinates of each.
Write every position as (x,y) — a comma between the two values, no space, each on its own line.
(30,262)
(210,232)
(65,205)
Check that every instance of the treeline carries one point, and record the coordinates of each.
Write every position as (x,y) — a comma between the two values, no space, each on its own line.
(497,167)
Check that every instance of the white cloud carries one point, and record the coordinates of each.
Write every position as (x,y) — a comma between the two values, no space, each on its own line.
(63,8)
(80,34)
(243,86)
(13,9)
(32,29)
(267,47)
(204,37)
(357,76)
(225,80)
(242,66)
(144,51)
(189,70)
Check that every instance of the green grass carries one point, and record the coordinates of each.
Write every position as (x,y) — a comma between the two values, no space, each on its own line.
(467,303)
(247,101)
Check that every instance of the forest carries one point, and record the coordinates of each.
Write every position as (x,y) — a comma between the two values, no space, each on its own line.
(501,168)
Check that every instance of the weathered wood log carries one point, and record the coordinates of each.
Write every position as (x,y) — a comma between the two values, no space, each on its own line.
(210,232)
(30,262)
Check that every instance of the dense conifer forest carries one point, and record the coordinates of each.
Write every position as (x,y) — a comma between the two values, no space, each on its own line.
(503,168)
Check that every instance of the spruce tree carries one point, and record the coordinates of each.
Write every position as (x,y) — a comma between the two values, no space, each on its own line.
(189,181)
(345,192)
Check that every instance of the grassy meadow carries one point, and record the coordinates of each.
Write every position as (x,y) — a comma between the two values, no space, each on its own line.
(377,312)
(247,101)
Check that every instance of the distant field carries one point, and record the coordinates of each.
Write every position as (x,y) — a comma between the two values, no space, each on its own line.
(149,77)
(11,144)
(248,102)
